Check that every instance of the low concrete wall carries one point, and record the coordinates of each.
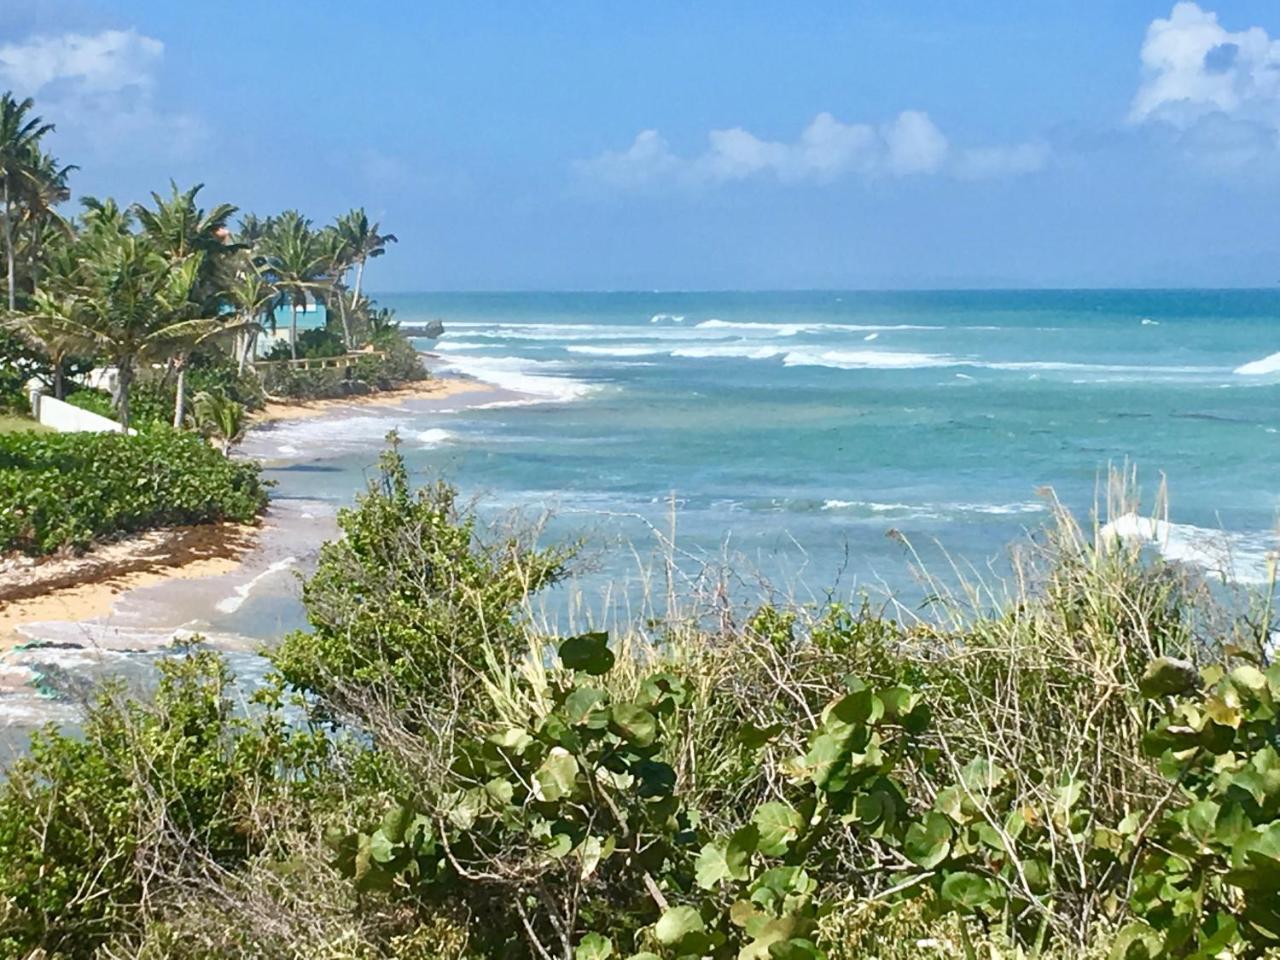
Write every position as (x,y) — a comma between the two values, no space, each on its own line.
(65,418)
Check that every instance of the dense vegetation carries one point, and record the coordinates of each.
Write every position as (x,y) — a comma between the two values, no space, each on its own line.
(173,297)
(1091,770)
(67,490)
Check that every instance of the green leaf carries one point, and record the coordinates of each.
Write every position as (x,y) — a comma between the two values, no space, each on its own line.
(712,865)
(1166,676)
(594,947)
(382,849)
(796,949)
(555,778)
(676,923)
(967,890)
(395,821)
(589,852)
(779,825)
(636,724)
(582,702)
(588,653)
(928,841)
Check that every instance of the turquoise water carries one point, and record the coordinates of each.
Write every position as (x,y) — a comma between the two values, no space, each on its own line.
(793,430)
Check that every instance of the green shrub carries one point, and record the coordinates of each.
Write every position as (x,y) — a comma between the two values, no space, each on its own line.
(168,788)
(95,401)
(67,490)
(408,597)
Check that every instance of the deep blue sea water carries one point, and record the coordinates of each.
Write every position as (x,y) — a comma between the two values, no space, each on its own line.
(792,432)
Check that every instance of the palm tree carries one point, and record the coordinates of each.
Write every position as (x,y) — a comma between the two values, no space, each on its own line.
(299,262)
(45,188)
(254,298)
(220,418)
(364,241)
(128,301)
(19,139)
(47,332)
(179,228)
(339,256)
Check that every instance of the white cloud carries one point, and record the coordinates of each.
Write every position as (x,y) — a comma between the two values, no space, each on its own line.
(107,62)
(826,150)
(1197,72)
(98,89)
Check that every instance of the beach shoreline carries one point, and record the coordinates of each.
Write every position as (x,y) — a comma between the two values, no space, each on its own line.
(433,388)
(75,589)
(87,587)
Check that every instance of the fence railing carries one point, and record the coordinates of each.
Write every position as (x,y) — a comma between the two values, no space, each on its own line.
(344,361)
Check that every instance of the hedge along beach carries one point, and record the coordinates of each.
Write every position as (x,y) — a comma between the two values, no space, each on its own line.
(108,612)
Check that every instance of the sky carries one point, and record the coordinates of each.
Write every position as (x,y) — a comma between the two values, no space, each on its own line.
(724,144)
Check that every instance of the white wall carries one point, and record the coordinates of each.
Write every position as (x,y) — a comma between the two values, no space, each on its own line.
(65,418)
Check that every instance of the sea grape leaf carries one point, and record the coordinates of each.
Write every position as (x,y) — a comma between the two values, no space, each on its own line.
(588,653)
(778,824)
(636,724)
(554,779)
(676,923)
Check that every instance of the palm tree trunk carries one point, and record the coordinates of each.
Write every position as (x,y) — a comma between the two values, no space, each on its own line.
(346,323)
(293,328)
(180,395)
(124,377)
(359,279)
(8,246)
(58,388)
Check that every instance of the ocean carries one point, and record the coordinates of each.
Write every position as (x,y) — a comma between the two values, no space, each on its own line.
(809,437)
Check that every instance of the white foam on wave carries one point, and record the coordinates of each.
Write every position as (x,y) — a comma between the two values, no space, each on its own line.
(868,359)
(621,350)
(791,329)
(1235,557)
(935,509)
(542,380)
(1256,368)
(434,437)
(234,602)
(666,318)
(447,346)
(744,350)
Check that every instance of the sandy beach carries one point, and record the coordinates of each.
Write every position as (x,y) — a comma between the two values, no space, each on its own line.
(432,389)
(78,588)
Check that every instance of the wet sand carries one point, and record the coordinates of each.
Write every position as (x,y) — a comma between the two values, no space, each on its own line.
(78,588)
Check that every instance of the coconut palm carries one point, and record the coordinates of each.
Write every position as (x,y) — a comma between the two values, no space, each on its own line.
(20,135)
(254,298)
(219,418)
(127,301)
(180,228)
(45,187)
(364,241)
(299,262)
(339,257)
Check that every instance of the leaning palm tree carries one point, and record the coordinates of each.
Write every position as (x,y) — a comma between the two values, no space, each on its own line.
(364,242)
(20,136)
(298,261)
(127,301)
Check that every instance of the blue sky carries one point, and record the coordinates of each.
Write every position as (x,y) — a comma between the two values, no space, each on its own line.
(596,145)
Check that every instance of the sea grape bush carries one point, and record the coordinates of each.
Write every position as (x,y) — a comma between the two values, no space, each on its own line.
(576,827)
(67,490)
